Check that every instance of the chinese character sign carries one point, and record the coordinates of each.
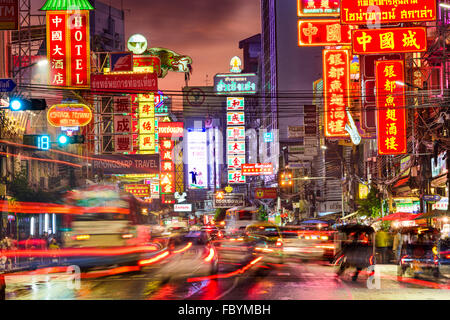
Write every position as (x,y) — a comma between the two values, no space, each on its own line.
(167,181)
(336,75)
(318,8)
(236,133)
(57,54)
(235,118)
(391,113)
(80,72)
(358,12)
(235,104)
(323,33)
(236,176)
(122,124)
(389,40)
(123,143)
(68,49)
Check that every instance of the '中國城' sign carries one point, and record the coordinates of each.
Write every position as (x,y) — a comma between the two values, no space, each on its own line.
(387,11)
(391,113)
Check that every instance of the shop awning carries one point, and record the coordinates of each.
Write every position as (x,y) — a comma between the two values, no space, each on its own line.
(399,216)
(433,214)
(402,182)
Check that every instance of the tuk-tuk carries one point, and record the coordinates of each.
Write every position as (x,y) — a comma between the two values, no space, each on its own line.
(354,248)
(419,251)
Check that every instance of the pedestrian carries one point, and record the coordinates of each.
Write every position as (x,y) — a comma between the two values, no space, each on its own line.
(382,244)
(397,245)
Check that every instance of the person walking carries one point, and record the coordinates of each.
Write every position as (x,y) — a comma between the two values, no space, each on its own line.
(397,246)
(382,244)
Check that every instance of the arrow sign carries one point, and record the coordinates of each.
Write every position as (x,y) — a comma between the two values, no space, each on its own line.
(7,85)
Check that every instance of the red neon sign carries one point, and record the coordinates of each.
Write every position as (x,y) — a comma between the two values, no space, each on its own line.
(68,50)
(323,33)
(78,25)
(170,129)
(336,80)
(318,8)
(256,169)
(361,12)
(391,113)
(57,54)
(389,40)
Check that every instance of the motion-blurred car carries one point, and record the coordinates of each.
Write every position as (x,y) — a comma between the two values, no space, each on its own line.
(298,243)
(195,256)
(214,232)
(267,241)
(421,254)
(444,257)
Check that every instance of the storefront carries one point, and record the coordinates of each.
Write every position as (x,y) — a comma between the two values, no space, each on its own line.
(407,205)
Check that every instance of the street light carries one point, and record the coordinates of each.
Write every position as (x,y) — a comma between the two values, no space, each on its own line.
(444,5)
(403,84)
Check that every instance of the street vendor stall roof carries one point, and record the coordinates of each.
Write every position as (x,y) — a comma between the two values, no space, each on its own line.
(399,216)
(433,214)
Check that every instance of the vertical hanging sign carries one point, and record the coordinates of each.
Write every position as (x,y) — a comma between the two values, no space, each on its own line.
(78,25)
(391,113)
(68,52)
(336,76)
(57,54)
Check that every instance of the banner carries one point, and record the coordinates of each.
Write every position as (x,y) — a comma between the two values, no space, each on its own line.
(266,193)
(126,164)
(124,82)
(391,112)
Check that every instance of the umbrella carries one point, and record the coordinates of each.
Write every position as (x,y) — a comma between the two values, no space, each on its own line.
(399,216)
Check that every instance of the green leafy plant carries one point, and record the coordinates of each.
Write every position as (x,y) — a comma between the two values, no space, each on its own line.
(262,213)
(20,190)
(371,206)
(220,214)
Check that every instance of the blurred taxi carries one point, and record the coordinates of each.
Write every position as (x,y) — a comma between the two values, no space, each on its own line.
(307,244)
(195,255)
(266,239)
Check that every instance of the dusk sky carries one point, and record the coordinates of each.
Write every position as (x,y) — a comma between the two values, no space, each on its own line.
(208,31)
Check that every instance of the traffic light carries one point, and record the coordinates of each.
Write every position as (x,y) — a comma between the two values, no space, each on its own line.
(286,180)
(21,104)
(42,141)
(64,139)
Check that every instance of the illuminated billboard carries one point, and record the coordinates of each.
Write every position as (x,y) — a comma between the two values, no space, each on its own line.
(336,76)
(391,112)
(323,33)
(197,158)
(389,40)
(318,8)
(236,83)
(361,12)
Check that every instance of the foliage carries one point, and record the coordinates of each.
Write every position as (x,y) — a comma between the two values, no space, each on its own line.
(220,214)
(371,206)
(20,190)
(262,213)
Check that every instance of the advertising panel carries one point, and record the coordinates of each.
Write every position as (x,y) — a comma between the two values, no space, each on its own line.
(124,82)
(235,104)
(9,15)
(235,161)
(185,207)
(236,147)
(170,129)
(69,115)
(391,112)
(266,193)
(236,176)
(229,200)
(139,190)
(389,40)
(235,118)
(233,83)
(197,158)
(235,133)
(257,169)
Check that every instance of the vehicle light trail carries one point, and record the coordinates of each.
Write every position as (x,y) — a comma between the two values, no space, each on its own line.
(227,275)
